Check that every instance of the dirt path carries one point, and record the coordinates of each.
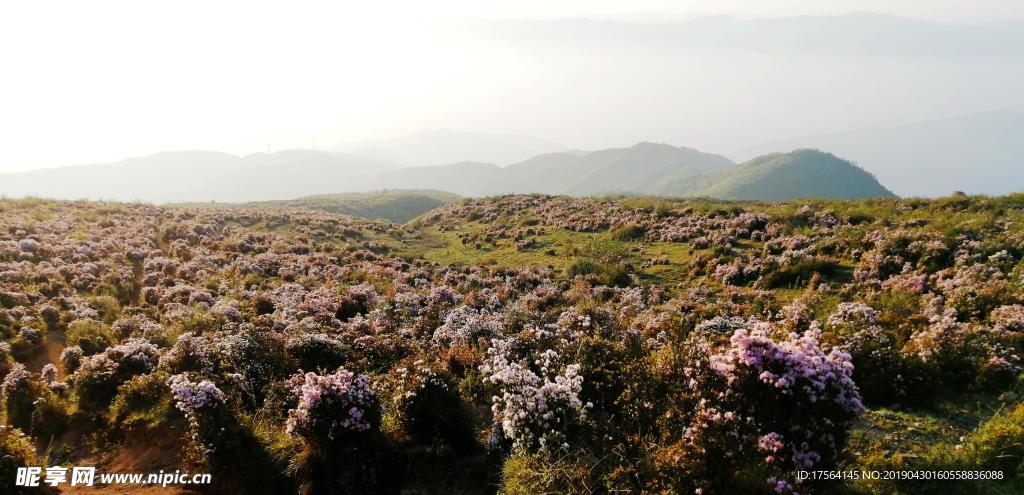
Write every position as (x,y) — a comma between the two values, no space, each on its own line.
(50,354)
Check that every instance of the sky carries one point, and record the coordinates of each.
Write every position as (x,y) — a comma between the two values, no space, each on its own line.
(98,81)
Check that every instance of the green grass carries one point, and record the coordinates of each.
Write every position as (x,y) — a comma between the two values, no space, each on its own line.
(446,248)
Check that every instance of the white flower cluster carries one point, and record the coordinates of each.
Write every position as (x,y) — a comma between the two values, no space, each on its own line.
(190,396)
(535,409)
(463,325)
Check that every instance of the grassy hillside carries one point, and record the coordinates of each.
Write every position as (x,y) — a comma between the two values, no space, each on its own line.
(520,344)
(399,206)
(654,169)
(799,174)
(396,205)
(635,169)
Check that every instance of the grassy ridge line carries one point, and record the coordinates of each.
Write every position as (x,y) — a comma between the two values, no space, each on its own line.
(398,206)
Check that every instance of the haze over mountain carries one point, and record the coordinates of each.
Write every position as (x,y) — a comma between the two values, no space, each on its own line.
(652,168)
(177,176)
(981,153)
(859,32)
(579,79)
(463,178)
(440,146)
(644,168)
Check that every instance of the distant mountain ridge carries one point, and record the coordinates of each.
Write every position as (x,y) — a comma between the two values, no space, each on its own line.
(652,168)
(644,168)
(441,146)
(637,168)
(180,176)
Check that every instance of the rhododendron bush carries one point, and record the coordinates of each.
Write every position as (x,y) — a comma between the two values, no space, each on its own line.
(788,404)
(518,344)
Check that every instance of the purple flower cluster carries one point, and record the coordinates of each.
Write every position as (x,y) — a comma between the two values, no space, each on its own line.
(806,402)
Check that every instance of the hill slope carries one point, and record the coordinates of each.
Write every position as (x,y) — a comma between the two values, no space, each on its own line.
(802,173)
(464,178)
(635,169)
(398,206)
(979,154)
(645,168)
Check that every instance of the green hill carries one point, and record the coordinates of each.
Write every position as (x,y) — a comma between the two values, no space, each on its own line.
(653,169)
(399,206)
(805,173)
(636,169)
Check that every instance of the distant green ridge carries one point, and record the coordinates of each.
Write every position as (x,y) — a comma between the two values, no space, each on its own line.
(805,173)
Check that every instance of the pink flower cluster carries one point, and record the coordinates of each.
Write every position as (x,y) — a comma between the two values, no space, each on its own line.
(806,401)
(332,404)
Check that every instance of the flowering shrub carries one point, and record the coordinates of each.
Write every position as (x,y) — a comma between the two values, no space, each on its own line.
(190,353)
(19,392)
(880,371)
(1009,319)
(953,349)
(785,405)
(333,406)
(464,325)
(213,432)
(429,408)
(71,358)
(338,419)
(256,356)
(191,397)
(98,376)
(585,358)
(538,406)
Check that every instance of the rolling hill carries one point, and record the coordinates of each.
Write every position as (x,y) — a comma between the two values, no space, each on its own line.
(980,153)
(634,169)
(651,168)
(804,173)
(398,206)
(644,168)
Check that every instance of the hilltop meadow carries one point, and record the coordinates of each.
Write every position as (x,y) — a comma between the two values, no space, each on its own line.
(518,344)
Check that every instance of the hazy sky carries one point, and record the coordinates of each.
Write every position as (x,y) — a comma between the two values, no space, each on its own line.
(98,81)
